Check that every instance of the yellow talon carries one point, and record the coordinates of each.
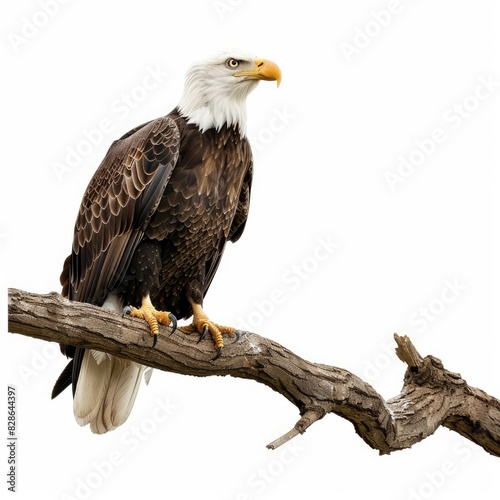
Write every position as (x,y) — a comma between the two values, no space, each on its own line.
(201,324)
(153,317)
(217,336)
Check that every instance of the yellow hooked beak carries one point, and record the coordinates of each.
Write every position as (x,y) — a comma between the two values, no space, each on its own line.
(263,70)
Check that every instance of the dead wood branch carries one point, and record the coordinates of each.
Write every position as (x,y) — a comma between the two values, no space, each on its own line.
(431,395)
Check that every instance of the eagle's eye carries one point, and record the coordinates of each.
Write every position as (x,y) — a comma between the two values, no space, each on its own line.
(232,63)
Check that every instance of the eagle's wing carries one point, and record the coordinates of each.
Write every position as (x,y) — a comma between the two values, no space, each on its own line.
(240,218)
(116,207)
(236,230)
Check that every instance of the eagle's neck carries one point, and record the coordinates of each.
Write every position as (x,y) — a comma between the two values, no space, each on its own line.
(209,105)
(205,118)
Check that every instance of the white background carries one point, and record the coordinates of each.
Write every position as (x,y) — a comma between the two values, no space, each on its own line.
(430,244)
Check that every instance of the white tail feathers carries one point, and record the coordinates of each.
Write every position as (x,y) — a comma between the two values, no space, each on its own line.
(106,392)
(107,387)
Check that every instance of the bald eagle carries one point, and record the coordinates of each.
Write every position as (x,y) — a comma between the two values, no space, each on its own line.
(153,224)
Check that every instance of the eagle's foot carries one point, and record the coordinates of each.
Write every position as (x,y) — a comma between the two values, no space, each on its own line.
(153,317)
(202,325)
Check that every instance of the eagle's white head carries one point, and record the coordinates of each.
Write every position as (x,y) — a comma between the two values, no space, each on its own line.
(217,87)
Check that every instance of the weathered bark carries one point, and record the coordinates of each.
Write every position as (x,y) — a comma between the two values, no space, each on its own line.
(431,395)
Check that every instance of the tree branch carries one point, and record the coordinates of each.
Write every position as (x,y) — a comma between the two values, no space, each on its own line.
(431,395)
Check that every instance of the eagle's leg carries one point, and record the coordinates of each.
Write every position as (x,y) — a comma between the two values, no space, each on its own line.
(153,317)
(201,324)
